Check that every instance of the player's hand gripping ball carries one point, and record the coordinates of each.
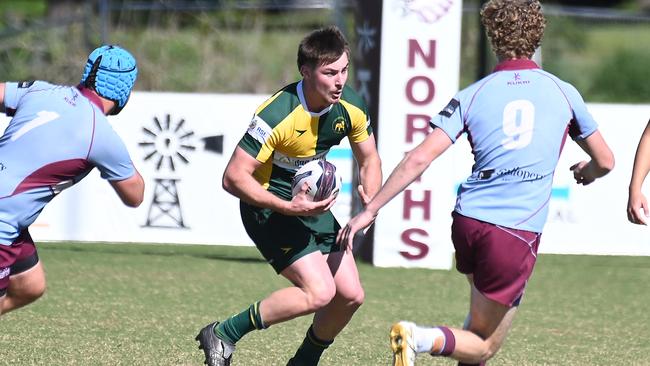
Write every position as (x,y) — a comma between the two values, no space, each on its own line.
(321,178)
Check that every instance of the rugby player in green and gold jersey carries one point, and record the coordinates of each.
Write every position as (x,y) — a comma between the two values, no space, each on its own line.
(299,123)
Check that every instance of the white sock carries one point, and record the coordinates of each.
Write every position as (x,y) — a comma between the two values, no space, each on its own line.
(424,338)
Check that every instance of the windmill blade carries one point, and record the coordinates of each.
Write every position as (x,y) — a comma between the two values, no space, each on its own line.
(187,135)
(150,155)
(171,163)
(182,157)
(179,125)
(157,122)
(149,132)
(160,160)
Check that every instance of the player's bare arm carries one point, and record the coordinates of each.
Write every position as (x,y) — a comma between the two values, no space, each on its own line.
(601,163)
(636,200)
(130,190)
(369,168)
(409,169)
(238,180)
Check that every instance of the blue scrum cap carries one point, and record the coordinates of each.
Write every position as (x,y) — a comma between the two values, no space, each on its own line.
(111,72)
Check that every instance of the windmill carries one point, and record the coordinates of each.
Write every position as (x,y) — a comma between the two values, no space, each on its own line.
(169,145)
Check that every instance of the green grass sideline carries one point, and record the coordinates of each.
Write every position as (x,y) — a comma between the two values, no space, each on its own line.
(127,304)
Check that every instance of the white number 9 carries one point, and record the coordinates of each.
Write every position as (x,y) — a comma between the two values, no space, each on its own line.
(518,122)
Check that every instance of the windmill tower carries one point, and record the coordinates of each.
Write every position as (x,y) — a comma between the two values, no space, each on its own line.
(167,145)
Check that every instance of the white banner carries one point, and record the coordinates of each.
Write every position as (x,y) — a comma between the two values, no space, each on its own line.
(593,219)
(419,74)
(181,144)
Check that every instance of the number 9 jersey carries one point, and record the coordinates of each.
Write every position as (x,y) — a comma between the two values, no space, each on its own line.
(516,120)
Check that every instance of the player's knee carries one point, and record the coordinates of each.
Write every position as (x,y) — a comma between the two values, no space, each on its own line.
(357,298)
(37,291)
(321,295)
(489,350)
(29,294)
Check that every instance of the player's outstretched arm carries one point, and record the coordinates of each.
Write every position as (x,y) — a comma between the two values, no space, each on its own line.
(238,180)
(636,200)
(601,163)
(409,169)
(130,190)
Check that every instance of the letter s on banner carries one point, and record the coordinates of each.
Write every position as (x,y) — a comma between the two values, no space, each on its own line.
(422,248)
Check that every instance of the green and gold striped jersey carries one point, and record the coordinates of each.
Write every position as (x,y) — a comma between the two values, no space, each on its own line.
(284,134)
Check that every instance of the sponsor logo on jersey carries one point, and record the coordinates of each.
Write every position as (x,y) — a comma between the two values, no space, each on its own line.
(450,108)
(300,132)
(509,174)
(4,272)
(338,126)
(293,163)
(2,167)
(259,129)
(516,80)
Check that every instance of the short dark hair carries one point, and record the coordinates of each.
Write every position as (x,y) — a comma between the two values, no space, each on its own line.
(321,47)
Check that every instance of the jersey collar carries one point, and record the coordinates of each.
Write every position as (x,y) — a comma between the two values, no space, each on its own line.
(517,64)
(91,96)
(303,101)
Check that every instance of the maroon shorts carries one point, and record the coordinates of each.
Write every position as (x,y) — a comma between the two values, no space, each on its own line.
(501,259)
(18,257)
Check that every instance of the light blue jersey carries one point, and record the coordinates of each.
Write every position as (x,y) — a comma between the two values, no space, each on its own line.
(57,135)
(516,120)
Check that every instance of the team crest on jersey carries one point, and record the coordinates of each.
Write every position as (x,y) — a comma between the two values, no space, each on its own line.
(338,126)
(450,108)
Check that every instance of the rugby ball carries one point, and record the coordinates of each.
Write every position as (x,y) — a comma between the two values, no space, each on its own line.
(321,178)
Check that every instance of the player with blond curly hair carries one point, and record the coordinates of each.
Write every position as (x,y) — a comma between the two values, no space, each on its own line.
(516,120)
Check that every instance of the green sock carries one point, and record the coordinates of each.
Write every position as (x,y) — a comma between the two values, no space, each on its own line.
(310,350)
(235,327)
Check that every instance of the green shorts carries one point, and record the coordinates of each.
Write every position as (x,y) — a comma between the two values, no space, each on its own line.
(283,239)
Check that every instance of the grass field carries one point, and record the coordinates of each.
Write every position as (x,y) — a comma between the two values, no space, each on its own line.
(143,304)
